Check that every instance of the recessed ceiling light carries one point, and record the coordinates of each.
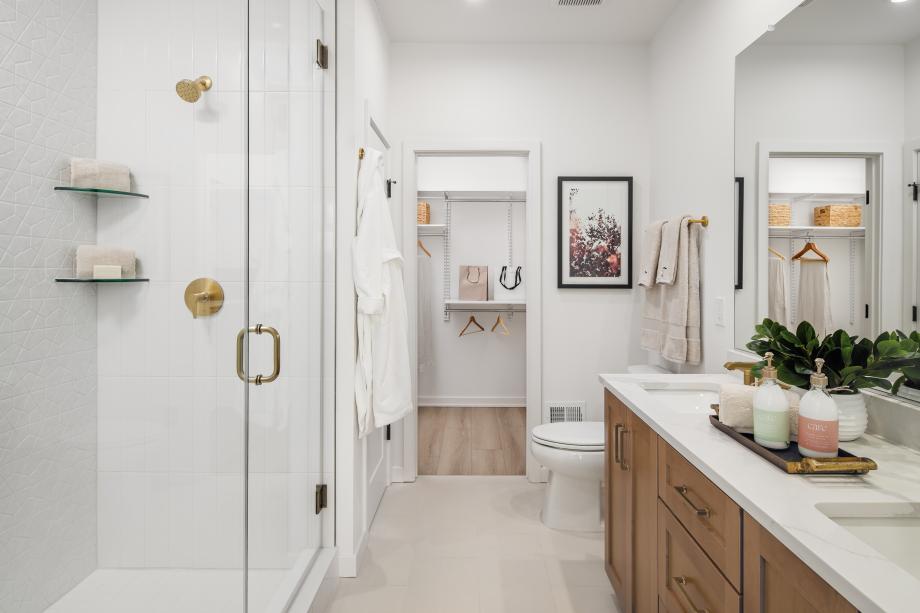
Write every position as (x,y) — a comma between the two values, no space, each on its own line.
(897,1)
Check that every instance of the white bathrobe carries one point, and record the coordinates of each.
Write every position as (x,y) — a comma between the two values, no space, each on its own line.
(383,384)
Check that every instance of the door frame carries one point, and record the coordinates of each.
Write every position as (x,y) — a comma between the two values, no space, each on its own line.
(911,237)
(884,215)
(532,272)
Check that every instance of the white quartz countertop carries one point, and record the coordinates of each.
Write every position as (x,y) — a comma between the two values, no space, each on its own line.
(786,504)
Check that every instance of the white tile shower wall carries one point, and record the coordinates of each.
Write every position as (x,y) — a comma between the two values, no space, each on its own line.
(171,407)
(47,330)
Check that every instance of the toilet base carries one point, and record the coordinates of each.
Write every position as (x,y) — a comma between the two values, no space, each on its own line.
(572,504)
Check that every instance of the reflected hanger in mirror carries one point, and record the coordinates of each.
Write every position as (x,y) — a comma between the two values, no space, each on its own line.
(810,246)
(776,253)
(471,322)
(501,327)
(421,246)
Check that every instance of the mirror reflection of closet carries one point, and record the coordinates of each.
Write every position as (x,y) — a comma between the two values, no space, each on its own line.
(827,112)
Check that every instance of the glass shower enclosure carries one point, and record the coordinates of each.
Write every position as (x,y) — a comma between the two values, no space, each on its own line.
(161,432)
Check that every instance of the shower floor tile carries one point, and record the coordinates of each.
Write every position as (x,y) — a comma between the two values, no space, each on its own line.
(172,590)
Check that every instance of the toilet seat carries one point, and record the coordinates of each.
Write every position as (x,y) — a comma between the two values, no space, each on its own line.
(582,436)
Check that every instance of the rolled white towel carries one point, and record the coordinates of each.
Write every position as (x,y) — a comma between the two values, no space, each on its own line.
(86,172)
(736,407)
(90,255)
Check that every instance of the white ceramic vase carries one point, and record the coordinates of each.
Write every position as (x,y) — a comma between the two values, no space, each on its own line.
(854,418)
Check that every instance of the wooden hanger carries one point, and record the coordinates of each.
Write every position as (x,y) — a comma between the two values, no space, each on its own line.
(776,253)
(421,246)
(810,246)
(502,328)
(471,322)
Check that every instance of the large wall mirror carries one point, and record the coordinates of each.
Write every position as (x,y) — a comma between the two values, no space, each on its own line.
(827,141)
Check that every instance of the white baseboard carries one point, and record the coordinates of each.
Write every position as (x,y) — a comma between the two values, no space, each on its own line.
(472,401)
(349,563)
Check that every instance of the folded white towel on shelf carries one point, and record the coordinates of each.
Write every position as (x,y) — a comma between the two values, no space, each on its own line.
(89,173)
(736,407)
(670,245)
(91,255)
(651,247)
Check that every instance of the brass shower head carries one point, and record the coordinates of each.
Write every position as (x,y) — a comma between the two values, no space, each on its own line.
(190,91)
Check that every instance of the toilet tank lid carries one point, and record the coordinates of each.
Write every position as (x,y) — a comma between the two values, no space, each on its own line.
(575,433)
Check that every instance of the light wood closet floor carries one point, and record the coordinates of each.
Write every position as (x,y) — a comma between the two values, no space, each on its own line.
(471,441)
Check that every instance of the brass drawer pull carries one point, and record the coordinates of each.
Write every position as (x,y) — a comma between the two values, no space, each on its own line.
(702,512)
(276,354)
(624,465)
(682,582)
(617,429)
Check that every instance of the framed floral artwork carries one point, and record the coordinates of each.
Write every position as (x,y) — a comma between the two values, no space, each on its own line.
(595,232)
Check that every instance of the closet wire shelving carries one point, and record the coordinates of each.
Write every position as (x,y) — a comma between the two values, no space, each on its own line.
(508,198)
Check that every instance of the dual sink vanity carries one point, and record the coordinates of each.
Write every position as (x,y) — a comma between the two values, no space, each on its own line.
(697,522)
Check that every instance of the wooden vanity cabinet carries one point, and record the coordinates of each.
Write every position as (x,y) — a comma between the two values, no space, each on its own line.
(674,541)
(776,581)
(631,460)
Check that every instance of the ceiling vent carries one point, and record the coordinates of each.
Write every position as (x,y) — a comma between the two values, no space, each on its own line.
(576,2)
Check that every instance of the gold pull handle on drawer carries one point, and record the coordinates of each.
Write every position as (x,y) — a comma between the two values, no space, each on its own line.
(617,429)
(701,511)
(682,583)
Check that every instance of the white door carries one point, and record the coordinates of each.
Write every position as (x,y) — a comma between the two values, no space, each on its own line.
(375,445)
(912,237)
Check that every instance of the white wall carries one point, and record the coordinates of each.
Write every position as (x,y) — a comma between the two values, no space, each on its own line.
(912,90)
(692,96)
(486,369)
(820,93)
(47,330)
(588,107)
(171,423)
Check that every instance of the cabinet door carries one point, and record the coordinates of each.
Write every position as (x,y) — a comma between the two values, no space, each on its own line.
(776,581)
(640,453)
(618,526)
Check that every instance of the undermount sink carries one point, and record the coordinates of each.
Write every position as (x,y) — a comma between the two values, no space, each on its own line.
(685,400)
(892,529)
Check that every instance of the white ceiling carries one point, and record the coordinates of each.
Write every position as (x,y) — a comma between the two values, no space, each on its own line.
(848,22)
(522,21)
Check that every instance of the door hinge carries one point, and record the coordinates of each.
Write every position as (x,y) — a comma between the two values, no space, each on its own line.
(321,501)
(388,431)
(867,197)
(390,184)
(322,54)
(867,311)
(913,313)
(915,186)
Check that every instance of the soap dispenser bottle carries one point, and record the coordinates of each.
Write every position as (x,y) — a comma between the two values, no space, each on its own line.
(771,410)
(818,419)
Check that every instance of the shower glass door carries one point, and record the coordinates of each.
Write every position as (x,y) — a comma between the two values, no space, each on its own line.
(284,289)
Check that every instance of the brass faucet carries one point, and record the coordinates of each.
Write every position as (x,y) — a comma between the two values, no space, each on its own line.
(745,367)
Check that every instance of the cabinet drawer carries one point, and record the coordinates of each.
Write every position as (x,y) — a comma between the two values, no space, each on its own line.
(687,578)
(711,517)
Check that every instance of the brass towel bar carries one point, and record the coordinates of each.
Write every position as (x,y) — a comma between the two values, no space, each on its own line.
(704,221)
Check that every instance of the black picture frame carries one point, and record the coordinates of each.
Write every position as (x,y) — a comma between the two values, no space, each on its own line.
(563,281)
(739,233)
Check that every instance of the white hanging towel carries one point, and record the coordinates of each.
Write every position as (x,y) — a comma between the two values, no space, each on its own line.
(651,248)
(814,305)
(383,383)
(778,291)
(425,351)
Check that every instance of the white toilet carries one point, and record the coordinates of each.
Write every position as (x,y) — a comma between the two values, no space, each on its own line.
(574,454)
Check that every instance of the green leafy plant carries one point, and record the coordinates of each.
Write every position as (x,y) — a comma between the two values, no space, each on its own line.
(909,373)
(851,363)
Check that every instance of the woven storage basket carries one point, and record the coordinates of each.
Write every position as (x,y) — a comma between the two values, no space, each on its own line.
(424,213)
(780,215)
(839,215)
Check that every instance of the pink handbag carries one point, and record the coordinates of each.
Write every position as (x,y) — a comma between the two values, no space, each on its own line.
(474,283)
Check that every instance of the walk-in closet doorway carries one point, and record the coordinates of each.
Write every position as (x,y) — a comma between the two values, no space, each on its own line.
(530,198)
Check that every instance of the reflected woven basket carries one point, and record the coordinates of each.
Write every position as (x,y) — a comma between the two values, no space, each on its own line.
(424,213)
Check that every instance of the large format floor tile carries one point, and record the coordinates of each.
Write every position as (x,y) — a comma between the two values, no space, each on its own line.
(474,544)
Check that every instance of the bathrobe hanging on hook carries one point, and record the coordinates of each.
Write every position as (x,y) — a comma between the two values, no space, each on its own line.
(383,388)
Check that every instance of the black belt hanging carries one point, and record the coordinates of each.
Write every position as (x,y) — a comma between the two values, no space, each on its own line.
(517,277)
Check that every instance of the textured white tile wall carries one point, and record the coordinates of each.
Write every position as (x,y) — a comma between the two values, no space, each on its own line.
(171,406)
(47,330)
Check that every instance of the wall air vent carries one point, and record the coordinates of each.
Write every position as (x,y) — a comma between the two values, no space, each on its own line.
(576,2)
(563,411)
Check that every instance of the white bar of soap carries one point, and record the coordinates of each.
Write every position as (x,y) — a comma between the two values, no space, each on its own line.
(106,271)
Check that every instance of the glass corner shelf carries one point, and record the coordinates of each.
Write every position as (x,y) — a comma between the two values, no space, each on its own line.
(101,193)
(74,280)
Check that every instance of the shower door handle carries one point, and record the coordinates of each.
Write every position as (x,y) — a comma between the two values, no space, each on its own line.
(276,354)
